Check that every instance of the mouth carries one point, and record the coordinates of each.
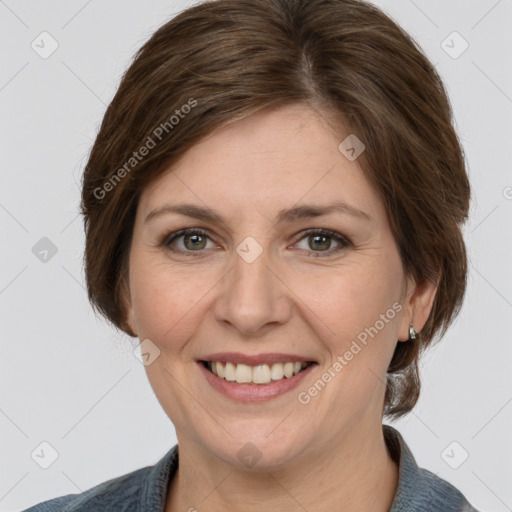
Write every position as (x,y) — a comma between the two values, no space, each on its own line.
(260,374)
(245,378)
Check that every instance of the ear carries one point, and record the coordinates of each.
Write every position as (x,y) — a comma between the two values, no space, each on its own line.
(417,306)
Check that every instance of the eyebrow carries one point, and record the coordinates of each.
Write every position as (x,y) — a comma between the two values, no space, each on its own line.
(284,216)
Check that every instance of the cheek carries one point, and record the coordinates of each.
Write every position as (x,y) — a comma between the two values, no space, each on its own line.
(349,301)
(355,316)
(167,301)
(340,304)
(357,309)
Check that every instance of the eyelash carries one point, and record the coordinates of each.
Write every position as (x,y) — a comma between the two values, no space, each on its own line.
(343,241)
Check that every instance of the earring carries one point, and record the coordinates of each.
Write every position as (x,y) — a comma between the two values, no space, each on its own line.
(412,333)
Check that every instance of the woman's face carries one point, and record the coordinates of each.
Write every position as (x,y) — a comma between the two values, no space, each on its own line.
(260,288)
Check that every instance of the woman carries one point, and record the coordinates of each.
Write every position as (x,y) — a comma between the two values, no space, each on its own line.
(273,206)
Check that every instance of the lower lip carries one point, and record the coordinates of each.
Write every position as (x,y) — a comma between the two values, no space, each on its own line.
(254,392)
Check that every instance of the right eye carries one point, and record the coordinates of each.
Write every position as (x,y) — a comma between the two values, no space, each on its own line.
(192,240)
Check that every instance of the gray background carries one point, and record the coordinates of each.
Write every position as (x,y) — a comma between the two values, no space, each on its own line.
(70,380)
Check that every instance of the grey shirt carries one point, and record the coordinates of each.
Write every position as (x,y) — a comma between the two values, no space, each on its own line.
(145,490)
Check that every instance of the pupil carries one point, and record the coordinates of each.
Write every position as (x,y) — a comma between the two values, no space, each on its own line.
(324,238)
(196,241)
(319,241)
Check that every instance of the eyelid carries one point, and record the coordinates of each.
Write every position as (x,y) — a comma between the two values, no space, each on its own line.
(343,241)
(174,235)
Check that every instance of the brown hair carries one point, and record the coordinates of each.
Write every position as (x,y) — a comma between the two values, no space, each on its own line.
(224,60)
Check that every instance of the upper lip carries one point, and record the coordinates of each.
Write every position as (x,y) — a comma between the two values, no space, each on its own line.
(253,360)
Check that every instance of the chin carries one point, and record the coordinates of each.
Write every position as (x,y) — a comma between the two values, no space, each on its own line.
(257,448)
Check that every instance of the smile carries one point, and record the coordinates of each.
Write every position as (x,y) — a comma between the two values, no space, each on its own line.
(256,378)
(258,374)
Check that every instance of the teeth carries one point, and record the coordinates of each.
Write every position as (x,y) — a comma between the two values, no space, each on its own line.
(259,374)
(288,370)
(229,371)
(277,371)
(243,373)
(219,368)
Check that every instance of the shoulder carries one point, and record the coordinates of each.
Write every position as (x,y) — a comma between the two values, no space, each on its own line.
(440,494)
(127,487)
(419,488)
(130,492)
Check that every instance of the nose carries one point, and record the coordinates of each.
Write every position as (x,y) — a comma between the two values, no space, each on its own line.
(253,298)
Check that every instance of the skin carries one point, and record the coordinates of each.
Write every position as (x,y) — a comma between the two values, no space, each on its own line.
(294,298)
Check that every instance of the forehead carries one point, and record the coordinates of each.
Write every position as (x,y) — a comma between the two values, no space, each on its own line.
(265,162)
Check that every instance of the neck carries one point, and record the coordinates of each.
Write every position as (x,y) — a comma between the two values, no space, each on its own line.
(353,474)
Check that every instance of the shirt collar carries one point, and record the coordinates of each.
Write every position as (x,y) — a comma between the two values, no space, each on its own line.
(154,491)
(411,479)
(408,471)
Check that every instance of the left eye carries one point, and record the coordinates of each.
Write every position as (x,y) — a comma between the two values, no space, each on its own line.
(320,240)
(195,240)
